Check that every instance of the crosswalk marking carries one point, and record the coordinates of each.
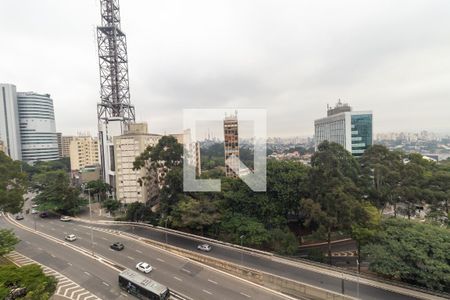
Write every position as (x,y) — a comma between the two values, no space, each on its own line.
(65,287)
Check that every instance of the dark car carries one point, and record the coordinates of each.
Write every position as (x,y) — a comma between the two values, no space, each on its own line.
(117,246)
(43,215)
(19,217)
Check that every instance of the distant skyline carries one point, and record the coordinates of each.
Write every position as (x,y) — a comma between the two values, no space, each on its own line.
(290,57)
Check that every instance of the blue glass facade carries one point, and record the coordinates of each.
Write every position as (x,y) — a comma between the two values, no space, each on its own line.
(361,133)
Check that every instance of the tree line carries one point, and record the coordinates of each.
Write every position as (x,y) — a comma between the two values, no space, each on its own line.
(337,192)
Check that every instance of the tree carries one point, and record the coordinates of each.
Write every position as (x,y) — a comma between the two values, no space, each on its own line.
(287,181)
(365,228)
(7,241)
(111,205)
(56,194)
(139,212)
(381,174)
(412,252)
(332,185)
(163,163)
(99,188)
(253,232)
(34,283)
(195,214)
(283,241)
(13,184)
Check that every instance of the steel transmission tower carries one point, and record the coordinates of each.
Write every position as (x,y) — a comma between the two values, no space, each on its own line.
(115,111)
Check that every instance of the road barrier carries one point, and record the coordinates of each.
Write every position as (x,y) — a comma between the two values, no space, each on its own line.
(270,281)
(397,287)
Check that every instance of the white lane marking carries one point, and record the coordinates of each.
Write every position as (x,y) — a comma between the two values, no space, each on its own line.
(161,260)
(104,238)
(138,251)
(123,294)
(82,294)
(243,294)
(179,279)
(187,271)
(69,264)
(212,281)
(52,255)
(130,257)
(88,274)
(208,292)
(105,283)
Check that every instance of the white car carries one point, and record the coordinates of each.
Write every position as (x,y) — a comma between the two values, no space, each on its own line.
(33,211)
(70,237)
(204,247)
(34,206)
(65,219)
(144,267)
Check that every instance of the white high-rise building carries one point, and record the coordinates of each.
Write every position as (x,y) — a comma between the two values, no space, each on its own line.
(9,121)
(351,129)
(130,185)
(39,140)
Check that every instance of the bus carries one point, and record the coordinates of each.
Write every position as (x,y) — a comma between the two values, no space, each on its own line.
(141,286)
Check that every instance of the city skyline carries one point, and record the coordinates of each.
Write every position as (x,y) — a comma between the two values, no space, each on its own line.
(292,60)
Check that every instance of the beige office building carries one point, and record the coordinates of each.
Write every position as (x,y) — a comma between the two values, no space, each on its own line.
(129,187)
(83,152)
(65,145)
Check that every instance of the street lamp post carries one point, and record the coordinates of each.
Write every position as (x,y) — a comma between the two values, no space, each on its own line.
(90,220)
(357,282)
(166,229)
(242,252)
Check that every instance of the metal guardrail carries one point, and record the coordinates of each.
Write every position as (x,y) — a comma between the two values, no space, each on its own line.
(272,255)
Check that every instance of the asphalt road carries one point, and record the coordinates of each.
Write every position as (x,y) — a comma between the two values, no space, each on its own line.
(267,265)
(184,276)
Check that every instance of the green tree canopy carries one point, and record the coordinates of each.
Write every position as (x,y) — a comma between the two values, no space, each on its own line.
(37,285)
(55,193)
(195,214)
(13,184)
(98,187)
(7,241)
(412,252)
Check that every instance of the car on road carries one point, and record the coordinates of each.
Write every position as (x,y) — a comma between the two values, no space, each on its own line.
(70,237)
(65,219)
(43,215)
(144,267)
(204,247)
(34,211)
(117,246)
(34,206)
(19,216)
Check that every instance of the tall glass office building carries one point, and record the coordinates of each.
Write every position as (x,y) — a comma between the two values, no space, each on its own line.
(9,121)
(37,127)
(351,129)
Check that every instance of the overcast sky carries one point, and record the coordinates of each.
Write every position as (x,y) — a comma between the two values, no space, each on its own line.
(290,57)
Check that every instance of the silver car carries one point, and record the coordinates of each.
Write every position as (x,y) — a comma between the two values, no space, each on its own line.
(70,237)
(204,247)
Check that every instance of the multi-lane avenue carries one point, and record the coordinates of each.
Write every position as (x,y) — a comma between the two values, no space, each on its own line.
(314,276)
(186,277)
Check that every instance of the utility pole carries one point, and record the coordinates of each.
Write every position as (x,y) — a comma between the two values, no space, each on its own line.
(166,229)
(357,283)
(242,251)
(90,219)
